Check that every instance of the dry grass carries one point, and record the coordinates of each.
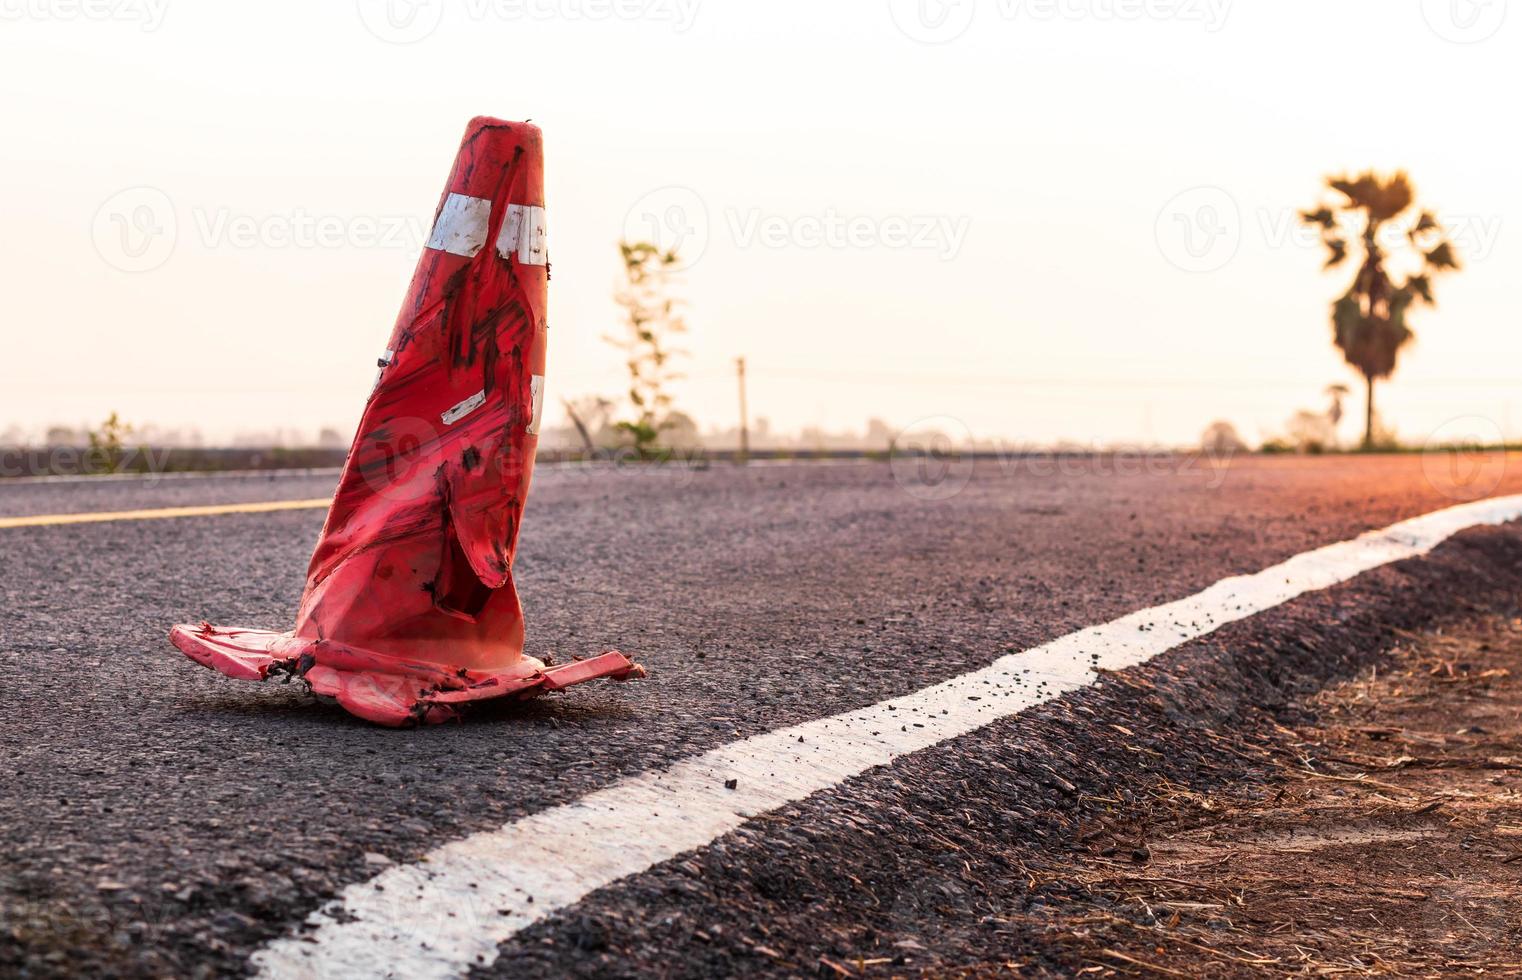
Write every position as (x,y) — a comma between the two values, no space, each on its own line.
(1390,843)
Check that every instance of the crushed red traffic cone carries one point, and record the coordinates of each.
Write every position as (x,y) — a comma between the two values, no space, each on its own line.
(410,610)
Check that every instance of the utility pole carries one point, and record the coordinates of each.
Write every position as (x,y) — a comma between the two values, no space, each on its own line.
(744,414)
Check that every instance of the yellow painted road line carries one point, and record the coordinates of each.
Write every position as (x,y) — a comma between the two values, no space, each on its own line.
(209,510)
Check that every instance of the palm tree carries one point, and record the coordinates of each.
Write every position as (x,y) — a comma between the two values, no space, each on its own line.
(1336,392)
(1369,320)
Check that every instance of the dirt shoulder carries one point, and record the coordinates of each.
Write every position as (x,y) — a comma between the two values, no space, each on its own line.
(1389,839)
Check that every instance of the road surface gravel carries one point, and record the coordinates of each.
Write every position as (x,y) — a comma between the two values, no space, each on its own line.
(158,818)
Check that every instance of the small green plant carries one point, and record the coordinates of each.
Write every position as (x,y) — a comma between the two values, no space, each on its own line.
(108,444)
(651,321)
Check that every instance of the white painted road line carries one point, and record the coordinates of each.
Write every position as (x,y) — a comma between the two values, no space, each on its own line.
(450,912)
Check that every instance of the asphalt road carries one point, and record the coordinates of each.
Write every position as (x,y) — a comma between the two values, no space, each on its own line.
(156,818)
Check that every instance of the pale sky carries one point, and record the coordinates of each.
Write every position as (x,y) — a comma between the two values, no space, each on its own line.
(989,228)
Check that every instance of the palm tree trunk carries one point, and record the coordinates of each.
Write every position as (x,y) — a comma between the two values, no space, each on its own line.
(1368,415)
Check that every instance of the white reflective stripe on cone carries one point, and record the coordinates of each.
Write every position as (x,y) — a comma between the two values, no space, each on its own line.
(461,228)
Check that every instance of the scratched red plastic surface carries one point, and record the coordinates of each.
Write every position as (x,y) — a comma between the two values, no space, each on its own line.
(410,606)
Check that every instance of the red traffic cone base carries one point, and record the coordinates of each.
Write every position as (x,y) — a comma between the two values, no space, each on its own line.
(410,610)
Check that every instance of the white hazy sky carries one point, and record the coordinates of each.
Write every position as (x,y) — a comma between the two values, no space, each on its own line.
(1034,158)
